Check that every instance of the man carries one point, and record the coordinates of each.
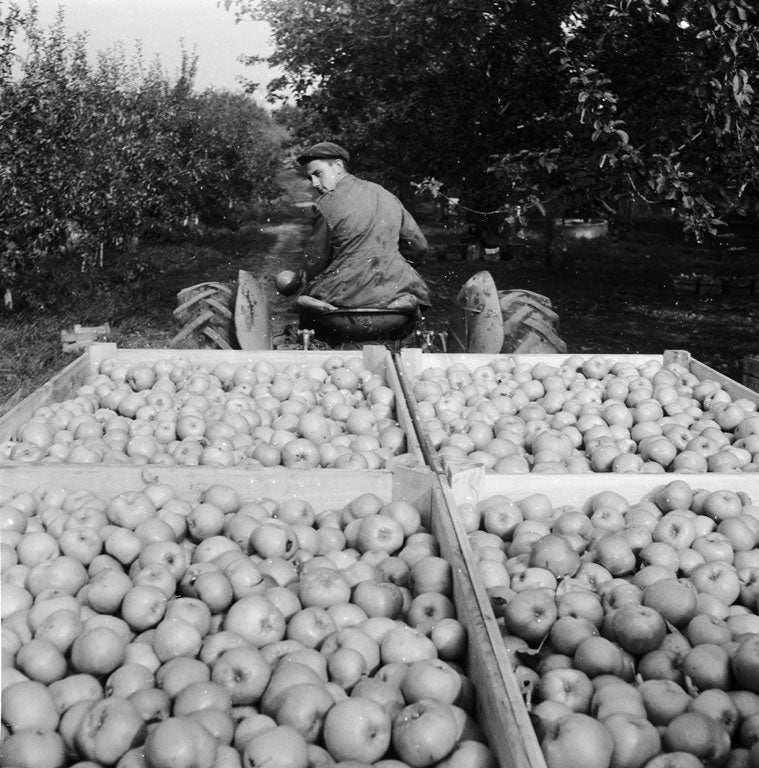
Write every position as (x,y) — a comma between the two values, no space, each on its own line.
(353,257)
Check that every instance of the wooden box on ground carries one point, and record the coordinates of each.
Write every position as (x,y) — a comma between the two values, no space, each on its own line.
(412,362)
(709,286)
(751,372)
(685,285)
(65,384)
(499,708)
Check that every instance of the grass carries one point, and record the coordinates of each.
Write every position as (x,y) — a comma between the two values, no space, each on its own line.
(616,297)
(139,312)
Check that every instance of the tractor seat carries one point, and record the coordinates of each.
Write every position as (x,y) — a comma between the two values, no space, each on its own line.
(338,325)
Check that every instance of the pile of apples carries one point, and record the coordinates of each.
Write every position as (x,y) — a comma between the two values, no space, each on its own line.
(586,415)
(632,627)
(337,414)
(151,631)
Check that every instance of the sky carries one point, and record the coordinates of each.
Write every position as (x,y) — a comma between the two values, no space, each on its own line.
(161,25)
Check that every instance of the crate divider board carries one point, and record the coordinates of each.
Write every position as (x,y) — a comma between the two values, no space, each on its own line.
(471,485)
(64,384)
(503,713)
(499,708)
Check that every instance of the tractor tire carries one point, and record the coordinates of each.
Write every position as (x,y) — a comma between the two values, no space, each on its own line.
(206,314)
(529,324)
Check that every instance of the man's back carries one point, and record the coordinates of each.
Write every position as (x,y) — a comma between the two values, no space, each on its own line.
(353,255)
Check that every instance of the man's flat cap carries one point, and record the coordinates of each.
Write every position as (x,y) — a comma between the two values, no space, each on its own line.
(324,150)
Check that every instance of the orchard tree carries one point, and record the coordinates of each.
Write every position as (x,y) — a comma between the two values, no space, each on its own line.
(574,105)
(94,157)
(416,87)
(658,106)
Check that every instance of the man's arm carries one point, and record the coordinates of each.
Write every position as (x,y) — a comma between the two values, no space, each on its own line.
(412,243)
(318,252)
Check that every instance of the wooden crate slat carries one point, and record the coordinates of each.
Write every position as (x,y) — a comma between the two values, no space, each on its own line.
(501,712)
(470,485)
(324,488)
(414,361)
(431,456)
(58,388)
(732,387)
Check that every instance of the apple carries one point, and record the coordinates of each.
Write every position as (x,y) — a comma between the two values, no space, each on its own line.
(568,686)
(676,529)
(310,626)
(613,695)
(708,666)
(323,587)
(388,696)
(424,732)
(745,663)
(429,607)
(108,729)
(244,672)
(356,639)
(530,614)
(45,749)
(577,740)
(357,729)
(638,628)
(718,705)
(568,632)
(379,532)
(719,579)
(699,735)
(304,707)
(378,598)
(674,600)
(431,679)
(405,644)
(257,619)
(636,740)
(554,553)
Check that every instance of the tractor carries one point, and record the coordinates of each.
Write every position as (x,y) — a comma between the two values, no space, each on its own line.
(482,320)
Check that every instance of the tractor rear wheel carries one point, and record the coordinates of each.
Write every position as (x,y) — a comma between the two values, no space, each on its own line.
(206,313)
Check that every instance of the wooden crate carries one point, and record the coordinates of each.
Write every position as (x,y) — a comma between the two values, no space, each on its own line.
(472,485)
(65,383)
(685,285)
(739,287)
(709,286)
(499,708)
(412,362)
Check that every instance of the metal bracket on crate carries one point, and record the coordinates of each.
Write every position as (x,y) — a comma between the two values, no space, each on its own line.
(306,334)
(425,339)
(428,339)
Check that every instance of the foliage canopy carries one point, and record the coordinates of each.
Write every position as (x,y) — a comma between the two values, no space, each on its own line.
(95,155)
(575,102)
